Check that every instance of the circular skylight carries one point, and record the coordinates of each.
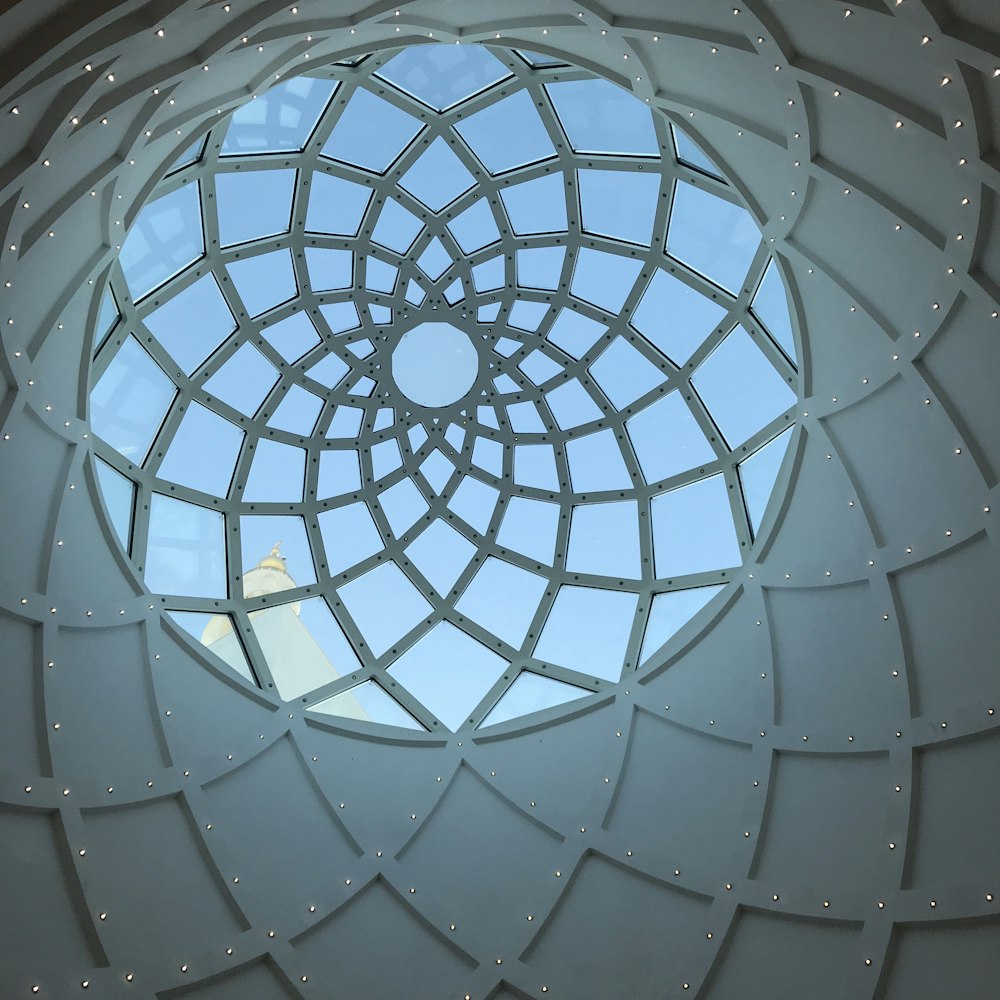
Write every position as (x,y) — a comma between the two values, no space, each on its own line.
(441,388)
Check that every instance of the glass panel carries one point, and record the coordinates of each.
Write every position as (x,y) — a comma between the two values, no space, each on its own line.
(530,527)
(277,473)
(434,261)
(437,470)
(415,295)
(276,554)
(396,228)
(624,374)
(537,60)
(667,440)
(758,474)
(441,554)
(474,502)
(386,458)
(340,316)
(384,606)
(130,400)
(599,117)
(596,463)
(540,267)
(487,416)
(368,702)
(361,348)
(475,228)
(588,630)
(203,453)
(525,315)
(297,413)
(449,672)
(455,292)
(675,318)
(349,536)
(382,315)
(535,465)
(346,422)
(190,155)
(619,203)
(507,134)
(670,613)
(370,133)
(192,324)
(165,238)
(304,646)
(252,204)
(438,177)
(519,593)
(604,279)
(575,334)
(488,456)
(186,551)
(244,381)
(540,368)
(524,418)
(216,632)
(487,314)
(264,281)
(329,269)
(416,436)
(505,385)
(770,306)
(489,275)
(403,505)
(693,529)
(688,152)
(572,405)
(741,389)
(119,498)
(455,436)
(536,206)
(107,317)
(604,539)
(364,386)
(379,276)
(339,473)
(713,236)
(336,206)
(531,693)
(443,75)
(279,121)
(293,338)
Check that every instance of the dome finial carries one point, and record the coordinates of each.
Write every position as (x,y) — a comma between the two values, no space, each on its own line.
(275,560)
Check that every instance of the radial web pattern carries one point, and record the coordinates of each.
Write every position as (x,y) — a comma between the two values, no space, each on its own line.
(441,388)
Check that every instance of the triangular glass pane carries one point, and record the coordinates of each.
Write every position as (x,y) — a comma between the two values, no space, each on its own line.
(216,632)
(758,474)
(532,693)
(669,613)
(443,75)
(449,671)
(367,702)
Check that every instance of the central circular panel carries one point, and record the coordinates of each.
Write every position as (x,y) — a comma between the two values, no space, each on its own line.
(434,364)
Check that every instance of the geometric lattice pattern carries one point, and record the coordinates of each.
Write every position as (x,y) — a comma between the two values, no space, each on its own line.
(496,353)
(794,800)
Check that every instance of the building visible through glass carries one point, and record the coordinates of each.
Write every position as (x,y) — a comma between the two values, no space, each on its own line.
(496,352)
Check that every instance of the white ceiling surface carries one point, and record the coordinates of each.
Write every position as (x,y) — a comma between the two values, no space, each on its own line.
(814,815)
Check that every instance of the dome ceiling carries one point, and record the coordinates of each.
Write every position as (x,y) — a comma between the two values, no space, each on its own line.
(496,353)
(792,799)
